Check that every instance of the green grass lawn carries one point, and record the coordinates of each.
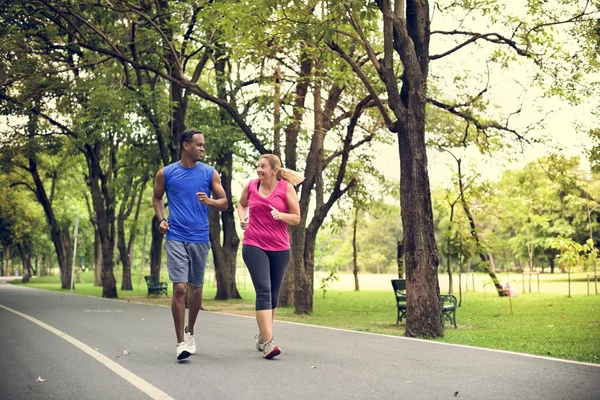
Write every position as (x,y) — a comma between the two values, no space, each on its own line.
(548,323)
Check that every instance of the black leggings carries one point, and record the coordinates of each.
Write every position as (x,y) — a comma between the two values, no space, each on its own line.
(267,269)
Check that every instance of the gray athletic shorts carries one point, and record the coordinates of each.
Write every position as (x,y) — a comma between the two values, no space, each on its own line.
(186,262)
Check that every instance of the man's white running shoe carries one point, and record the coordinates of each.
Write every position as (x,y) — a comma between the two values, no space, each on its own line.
(182,351)
(190,341)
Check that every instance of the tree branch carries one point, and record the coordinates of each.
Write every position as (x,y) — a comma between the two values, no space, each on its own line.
(66,130)
(495,38)
(481,126)
(382,109)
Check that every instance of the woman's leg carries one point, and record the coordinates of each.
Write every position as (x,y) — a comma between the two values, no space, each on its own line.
(278,261)
(257,263)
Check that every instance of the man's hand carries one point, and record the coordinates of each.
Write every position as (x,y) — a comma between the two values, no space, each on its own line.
(203,198)
(163,226)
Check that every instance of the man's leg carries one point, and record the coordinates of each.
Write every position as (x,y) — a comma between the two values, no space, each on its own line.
(178,266)
(195,293)
(197,253)
(178,309)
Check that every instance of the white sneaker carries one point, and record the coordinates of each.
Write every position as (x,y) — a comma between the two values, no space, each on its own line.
(270,350)
(190,341)
(182,351)
(259,345)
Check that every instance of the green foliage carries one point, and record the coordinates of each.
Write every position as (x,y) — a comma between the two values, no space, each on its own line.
(521,214)
(378,231)
(326,281)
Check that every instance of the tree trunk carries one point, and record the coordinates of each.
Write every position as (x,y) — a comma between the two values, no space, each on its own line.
(304,262)
(155,249)
(97,258)
(124,256)
(400,259)
(61,238)
(26,262)
(126,247)
(492,262)
(420,252)
(304,274)
(224,256)
(406,32)
(448,256)
(103,205)
(5,257)
(355,251)
(460,270)
(475,235)
(286,296)
(552,265)
(34,270)
(225,253)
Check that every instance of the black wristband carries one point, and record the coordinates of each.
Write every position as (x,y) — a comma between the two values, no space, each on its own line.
(161,220)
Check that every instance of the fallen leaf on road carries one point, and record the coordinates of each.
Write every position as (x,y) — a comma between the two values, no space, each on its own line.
(313,367)
(40,379)
(97,349)
(395,364)
(456,394)
(116,356)
(126,352)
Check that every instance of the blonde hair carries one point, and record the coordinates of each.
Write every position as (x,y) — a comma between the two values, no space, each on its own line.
(286,174)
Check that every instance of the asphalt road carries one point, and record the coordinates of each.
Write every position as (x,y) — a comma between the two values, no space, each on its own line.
(76,345)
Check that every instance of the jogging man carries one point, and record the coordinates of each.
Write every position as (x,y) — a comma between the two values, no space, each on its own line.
(188,184)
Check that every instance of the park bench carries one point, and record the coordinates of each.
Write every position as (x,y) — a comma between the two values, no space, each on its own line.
(447,303)
(156,287)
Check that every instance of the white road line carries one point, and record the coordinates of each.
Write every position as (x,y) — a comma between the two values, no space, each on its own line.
(152,391)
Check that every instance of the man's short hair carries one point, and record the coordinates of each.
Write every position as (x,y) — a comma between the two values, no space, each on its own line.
(186,136)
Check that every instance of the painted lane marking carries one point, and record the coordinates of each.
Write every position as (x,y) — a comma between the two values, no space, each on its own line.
(152,391)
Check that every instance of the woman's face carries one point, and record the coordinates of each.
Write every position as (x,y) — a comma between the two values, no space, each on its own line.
(264,169)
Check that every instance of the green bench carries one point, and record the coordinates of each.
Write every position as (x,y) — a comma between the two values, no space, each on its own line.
(448,303)
(155,287)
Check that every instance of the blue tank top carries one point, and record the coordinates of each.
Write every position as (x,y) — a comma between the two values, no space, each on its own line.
(188,218)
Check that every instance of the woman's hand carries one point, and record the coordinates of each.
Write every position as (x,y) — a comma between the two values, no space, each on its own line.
(275,213)
(244,222)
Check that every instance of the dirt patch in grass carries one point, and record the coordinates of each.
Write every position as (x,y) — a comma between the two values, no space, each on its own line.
(237,307)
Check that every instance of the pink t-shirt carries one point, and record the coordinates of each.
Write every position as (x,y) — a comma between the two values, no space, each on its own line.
(263,231)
